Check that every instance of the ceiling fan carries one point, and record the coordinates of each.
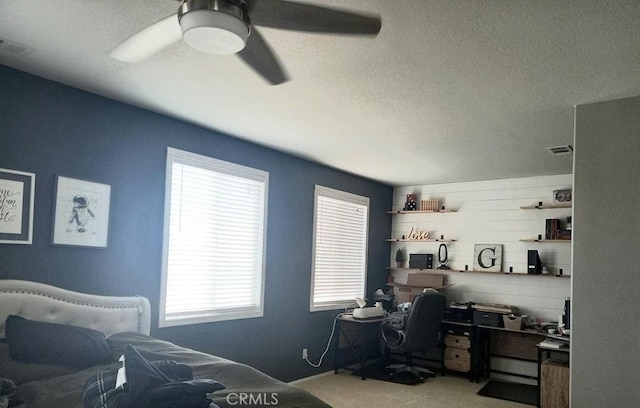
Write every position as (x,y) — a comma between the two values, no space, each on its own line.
(228,27)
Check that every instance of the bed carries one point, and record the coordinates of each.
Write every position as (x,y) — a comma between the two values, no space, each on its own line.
(123,321)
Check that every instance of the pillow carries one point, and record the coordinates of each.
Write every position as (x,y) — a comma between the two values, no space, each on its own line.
(58,344)
(20,372)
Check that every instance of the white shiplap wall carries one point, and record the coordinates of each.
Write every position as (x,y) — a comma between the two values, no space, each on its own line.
(488,212)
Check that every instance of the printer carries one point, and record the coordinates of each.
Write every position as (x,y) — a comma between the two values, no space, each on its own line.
(363,312)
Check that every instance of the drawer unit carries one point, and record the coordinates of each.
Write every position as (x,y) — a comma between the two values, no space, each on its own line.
(462,351)
(457,360)
(457,354)
(459,342)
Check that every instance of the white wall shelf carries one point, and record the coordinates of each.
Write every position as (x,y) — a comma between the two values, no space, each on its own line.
(420,212)
(546,206)
(554,241)
(541,206)
(418,240)
(393,268)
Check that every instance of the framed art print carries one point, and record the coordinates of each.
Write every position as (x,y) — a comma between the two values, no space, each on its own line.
(81,213)
(17,190)
(487,257)
(562,196)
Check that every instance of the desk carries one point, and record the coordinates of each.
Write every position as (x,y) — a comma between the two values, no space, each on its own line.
(357,336)
(487,341)
(553,377)
(509,343)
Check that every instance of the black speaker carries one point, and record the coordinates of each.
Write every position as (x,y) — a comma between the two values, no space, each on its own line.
(534,266)
(421,261)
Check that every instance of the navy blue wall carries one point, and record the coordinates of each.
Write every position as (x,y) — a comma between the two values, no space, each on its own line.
(47,128)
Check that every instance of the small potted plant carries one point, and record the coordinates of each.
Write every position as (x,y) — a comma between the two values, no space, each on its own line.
(400,258)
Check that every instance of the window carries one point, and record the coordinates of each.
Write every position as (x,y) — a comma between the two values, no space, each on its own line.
(214,246)
(339,248)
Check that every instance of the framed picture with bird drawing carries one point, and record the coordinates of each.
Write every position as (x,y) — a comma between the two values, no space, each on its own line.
(81,213)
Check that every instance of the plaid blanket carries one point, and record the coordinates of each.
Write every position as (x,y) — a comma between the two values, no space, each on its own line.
(156,384)
(392,328)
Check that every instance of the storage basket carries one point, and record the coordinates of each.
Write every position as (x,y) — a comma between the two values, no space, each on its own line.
(429,205)
(514,322)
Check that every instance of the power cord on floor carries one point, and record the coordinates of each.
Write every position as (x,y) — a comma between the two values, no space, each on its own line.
(326,350)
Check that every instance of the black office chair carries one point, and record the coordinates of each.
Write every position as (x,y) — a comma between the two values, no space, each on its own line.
(421,332)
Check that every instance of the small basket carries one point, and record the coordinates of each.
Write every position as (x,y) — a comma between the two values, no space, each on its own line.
(429,205)
(513,322)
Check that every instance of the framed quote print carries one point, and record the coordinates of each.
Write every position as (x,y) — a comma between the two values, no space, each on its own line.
(81,213)
(17,190)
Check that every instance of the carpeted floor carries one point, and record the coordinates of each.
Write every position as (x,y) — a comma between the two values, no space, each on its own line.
(344,390)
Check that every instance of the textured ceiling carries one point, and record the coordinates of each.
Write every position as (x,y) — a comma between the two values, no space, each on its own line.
(448,91)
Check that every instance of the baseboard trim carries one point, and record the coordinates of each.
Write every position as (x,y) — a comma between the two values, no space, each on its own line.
(313,377)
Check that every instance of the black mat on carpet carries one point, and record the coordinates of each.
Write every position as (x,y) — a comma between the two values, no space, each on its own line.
(523,393)
(380,372)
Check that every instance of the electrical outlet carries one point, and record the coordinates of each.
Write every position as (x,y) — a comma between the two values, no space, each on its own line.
(304,354)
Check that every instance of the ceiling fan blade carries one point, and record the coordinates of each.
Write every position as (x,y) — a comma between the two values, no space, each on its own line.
(288,15)
(259,56)
(149,40)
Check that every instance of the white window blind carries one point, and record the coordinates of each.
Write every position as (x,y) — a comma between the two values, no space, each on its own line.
(214,240)
(339,248)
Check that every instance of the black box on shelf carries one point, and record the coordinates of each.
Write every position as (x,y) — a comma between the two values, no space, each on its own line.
(458,315)
(421,261)
(534,265)
(487,319)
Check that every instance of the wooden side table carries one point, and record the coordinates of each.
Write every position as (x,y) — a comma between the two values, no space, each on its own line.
(553,377)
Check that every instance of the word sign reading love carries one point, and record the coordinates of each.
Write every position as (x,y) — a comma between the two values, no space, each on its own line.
(415,235)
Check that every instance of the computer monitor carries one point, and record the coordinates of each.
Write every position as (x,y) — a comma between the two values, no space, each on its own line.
(534,266)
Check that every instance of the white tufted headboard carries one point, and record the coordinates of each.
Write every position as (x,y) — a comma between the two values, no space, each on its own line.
(45,303)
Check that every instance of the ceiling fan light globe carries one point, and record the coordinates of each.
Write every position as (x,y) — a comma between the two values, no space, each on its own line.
(214,32)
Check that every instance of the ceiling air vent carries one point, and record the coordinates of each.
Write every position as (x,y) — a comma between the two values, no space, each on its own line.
(13,48)
(560,150)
